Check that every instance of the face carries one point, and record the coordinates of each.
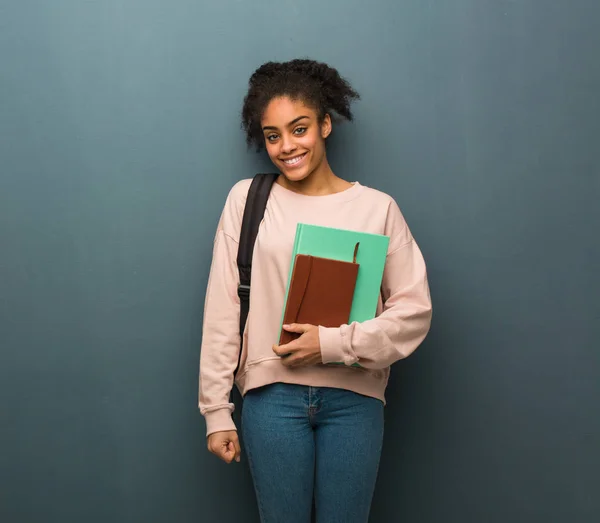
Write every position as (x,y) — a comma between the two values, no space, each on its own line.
(294,138)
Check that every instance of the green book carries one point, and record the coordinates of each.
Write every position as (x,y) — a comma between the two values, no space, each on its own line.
(338,244)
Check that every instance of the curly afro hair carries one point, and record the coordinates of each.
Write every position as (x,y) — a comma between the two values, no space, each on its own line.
(315,83)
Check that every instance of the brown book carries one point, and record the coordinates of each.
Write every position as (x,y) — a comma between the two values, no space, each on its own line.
(321,293)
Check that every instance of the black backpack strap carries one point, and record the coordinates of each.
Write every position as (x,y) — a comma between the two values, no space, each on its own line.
(254,211)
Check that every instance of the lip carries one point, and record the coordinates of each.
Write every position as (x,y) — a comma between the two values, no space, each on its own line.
(295,165)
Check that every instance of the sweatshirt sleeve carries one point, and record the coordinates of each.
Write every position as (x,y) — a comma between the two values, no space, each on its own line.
(406,316)
(220,332)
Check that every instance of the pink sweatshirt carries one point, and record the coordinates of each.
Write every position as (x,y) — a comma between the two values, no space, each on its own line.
(402,322)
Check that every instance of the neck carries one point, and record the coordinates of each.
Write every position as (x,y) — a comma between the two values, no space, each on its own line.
(321,182)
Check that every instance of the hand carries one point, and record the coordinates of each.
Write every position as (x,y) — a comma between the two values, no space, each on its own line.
(303,351)
(225,445)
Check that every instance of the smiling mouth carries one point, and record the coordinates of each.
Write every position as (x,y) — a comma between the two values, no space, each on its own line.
(295,160)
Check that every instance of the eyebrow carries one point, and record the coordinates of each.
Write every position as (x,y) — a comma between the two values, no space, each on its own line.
(294,121)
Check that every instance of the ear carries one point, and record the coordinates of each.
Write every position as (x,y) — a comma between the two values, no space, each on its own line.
(326,126)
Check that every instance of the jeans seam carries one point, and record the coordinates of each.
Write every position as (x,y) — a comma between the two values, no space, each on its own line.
(261,510)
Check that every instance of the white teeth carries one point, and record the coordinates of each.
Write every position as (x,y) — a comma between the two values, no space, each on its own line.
(294,160)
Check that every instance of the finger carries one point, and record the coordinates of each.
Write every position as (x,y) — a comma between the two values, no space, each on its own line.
(299,328)
(292,361)
(285,350)
(221,453)
(227,453)
(238,449)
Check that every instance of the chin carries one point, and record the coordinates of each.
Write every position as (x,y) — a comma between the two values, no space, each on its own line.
(298,174)
(295,176)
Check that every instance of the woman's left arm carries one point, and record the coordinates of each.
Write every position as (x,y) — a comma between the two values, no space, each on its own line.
(399,329)
(395,333)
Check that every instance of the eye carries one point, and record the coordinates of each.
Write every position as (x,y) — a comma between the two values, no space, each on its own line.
(299,130)
(271,137)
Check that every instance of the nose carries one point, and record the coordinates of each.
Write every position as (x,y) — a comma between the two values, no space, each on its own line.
(287,144)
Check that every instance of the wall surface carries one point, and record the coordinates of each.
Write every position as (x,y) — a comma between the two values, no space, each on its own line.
(119,140)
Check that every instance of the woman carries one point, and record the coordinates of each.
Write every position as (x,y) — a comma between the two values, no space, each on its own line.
(310,429)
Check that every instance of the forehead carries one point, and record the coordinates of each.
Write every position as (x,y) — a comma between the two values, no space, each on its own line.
(282,110)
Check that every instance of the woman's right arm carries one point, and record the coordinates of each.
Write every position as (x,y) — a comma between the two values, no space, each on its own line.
(220,334)
(220,337)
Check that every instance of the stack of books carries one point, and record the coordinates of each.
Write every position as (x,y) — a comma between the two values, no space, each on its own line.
(335,277)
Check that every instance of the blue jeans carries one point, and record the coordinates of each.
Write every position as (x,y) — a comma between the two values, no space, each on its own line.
(312,441)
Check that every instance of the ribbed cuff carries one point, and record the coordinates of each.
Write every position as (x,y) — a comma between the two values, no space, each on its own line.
(331,345)
(218,421)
